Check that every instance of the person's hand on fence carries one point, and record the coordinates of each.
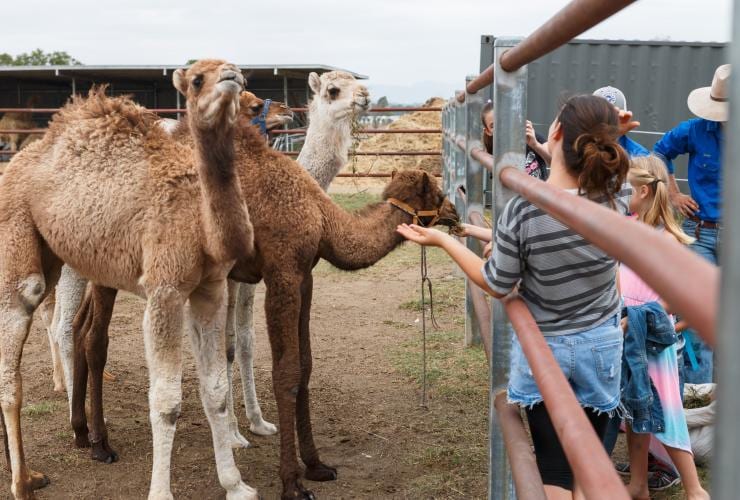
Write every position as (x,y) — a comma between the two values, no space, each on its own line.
(421,235)
(626,123)
(532,141)
(684,204)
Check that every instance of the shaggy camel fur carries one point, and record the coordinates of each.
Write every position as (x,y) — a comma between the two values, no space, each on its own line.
(87,352)
(109,193)
(295,224)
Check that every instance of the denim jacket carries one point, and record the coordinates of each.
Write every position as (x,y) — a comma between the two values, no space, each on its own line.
(649,331)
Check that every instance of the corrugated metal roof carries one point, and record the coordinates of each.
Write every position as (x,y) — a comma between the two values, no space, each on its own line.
(153,71)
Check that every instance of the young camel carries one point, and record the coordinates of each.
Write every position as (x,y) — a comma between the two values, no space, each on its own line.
(87,351)
(108,192)
(295,225)
(338,99)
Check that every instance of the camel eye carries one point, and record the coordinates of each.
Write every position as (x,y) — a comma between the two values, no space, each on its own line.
(198,81)
(333,92)
(256,108)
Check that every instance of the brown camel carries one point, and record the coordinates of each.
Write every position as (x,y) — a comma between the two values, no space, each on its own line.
(90,350)
(109,193)
(295,224)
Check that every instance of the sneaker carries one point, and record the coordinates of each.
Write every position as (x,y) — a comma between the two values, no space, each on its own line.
(662,480)
(623,468)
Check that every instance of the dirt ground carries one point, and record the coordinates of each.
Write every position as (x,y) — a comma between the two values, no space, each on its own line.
(366,413)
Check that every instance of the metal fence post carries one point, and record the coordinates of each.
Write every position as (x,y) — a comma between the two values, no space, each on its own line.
(726,480)
(474,191)
(460,157)
(509,111)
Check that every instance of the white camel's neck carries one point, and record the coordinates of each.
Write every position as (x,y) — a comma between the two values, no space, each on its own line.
(326,149)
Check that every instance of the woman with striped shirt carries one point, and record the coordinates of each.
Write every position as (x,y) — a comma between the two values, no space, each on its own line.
(568,284)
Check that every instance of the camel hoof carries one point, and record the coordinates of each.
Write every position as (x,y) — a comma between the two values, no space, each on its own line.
(38,480)
(59,387)
(263,428)
(239,441)
(321,472)
(81,440)
(242,492)
(297,492)
(108,376)
(102,452)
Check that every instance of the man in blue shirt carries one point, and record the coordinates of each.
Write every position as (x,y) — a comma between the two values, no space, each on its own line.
(616,97)
(702,139)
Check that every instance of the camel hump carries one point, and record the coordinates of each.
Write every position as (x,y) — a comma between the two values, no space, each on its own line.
(126,114)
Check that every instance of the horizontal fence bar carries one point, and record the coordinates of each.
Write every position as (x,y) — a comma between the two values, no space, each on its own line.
(23,131)
(481,81)
(575,18)
(182,110)
(593,469)
(689,276)
(381,153)
(297,131)
(372,174)
(524,471)
(301,131)
(483,157)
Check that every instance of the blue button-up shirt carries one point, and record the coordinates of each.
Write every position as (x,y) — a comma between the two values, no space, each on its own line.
(634,149)
(702,140)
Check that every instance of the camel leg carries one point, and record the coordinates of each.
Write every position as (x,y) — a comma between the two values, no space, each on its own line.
(163,329)
(47,314)
(69,293)
(245,349)
(237,440)
(22,286)
(207,309)
(81,325)
(96,355)
(315,470)
(283,308)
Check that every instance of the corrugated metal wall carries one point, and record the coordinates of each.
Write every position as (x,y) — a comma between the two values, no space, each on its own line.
(656,78)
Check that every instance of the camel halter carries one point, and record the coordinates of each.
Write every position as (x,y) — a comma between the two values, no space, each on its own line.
(261,119)
(416,214)
(426,284)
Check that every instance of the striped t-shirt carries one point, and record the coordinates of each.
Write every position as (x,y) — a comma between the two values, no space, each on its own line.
(568,284)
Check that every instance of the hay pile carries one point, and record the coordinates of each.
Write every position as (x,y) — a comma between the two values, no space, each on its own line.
(403,142)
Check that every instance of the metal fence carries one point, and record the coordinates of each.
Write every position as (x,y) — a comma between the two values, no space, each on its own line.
(284,145)
(693,292)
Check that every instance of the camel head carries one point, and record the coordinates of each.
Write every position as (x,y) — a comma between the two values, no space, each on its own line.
(212,89)
(251,107)
(337,96)
(421,191)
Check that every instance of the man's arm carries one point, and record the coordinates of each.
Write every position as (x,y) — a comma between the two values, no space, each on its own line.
(676,142)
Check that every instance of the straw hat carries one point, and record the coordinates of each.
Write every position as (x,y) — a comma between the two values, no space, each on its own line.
(712,103)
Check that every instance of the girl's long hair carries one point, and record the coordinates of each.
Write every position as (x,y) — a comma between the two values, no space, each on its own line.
(590,148)
(650,171)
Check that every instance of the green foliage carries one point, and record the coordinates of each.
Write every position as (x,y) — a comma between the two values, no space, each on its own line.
(39,58)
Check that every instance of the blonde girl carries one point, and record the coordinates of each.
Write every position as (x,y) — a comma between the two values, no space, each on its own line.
(650,201)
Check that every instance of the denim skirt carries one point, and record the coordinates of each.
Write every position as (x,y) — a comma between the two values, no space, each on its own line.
(591,362)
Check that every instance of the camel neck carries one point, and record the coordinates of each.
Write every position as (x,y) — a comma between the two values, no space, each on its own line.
(358,240)
(227,229)
(326,149)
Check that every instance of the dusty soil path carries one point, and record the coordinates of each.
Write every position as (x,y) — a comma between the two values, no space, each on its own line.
(367,421)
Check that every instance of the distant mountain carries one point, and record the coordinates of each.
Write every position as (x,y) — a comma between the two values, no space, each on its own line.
(412,94)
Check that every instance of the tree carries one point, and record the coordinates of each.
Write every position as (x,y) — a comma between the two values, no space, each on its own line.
(39,58)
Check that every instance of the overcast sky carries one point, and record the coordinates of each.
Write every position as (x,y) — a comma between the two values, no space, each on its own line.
(429,44)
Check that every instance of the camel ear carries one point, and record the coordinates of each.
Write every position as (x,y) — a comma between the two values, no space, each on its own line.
(314,82)
(425,182)
(179,81)
(393,173)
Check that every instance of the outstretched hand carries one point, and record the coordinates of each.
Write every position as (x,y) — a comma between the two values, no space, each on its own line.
(421,235)
(626,123)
